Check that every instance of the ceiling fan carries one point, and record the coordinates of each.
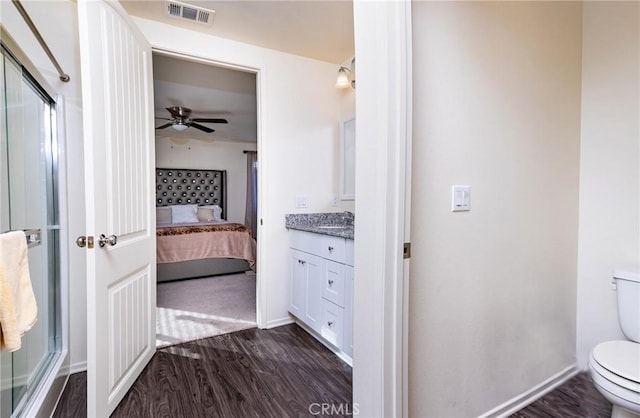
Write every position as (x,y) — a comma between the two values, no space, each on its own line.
(180,120)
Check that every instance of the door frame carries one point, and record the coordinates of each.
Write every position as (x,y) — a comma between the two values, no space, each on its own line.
(261,247)
(383,206)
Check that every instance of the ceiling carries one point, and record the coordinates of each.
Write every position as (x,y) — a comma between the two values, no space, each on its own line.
(321,30)
(211,92)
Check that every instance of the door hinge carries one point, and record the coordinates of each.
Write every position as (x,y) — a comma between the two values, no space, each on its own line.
(407,250)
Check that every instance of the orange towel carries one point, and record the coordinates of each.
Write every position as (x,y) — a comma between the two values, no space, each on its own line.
(18,310)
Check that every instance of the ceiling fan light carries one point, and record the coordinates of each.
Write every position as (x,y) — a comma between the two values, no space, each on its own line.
(179,127)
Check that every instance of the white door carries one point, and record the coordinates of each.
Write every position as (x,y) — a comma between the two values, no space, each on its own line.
(117,97)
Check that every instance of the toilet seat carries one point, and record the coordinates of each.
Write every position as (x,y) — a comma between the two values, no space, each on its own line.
(615,368)
(621,361)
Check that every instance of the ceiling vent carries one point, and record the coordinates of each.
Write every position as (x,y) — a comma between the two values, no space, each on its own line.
(191,13)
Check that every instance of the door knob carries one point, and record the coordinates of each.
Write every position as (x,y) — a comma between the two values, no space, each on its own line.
(81,241)
(104,240)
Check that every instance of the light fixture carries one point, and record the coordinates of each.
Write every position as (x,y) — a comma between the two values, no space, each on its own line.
(179,127)
(343,80)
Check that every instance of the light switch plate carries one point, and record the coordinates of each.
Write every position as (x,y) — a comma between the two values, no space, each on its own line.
(460,198)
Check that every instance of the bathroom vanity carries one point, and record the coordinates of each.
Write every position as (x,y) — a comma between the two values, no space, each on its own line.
(321,289)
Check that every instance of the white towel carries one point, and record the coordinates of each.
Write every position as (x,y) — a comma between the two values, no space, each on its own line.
(18,310)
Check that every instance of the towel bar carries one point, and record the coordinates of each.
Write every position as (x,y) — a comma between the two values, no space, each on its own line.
(33,236)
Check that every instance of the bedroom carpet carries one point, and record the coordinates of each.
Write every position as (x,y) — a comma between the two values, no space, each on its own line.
(192,309)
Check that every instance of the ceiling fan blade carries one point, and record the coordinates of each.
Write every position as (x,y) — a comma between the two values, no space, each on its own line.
(166,125)
(158,117)
(201,127)
(210,120)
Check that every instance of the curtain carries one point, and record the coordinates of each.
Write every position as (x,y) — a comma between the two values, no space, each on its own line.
(251,210)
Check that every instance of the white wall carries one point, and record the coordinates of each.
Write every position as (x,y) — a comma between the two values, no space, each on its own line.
(57,22)
(211,155)
(609,166)
(496,106)
(299,111)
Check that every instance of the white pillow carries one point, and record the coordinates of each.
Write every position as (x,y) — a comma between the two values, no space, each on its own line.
(205,214)
(163,215)
(181,214)
(217,211)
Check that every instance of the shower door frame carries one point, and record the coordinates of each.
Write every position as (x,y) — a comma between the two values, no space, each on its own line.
(41,400)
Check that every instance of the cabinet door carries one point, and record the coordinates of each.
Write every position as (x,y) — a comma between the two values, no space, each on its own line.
(347,344)
(298,285)
(313,313)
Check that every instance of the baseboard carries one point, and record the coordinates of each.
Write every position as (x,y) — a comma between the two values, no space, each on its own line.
(335,350)
(532,394)
(78,367)
(279,322)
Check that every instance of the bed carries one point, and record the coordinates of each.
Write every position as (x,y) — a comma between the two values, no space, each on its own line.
(206,245)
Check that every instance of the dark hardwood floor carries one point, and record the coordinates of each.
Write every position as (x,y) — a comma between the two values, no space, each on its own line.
(282,372)
(576,398)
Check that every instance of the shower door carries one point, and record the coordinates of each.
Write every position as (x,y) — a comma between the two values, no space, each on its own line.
(28,202)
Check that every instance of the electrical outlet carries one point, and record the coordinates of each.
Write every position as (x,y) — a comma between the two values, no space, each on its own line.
(302,201)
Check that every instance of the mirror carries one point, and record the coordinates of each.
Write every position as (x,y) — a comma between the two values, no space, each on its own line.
(348,160)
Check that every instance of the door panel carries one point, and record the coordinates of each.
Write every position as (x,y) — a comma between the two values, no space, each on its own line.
(119,152)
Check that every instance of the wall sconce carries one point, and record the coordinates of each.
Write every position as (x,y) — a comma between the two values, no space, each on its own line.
(343,80)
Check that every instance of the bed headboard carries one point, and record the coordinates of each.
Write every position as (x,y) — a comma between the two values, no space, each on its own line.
(180,186)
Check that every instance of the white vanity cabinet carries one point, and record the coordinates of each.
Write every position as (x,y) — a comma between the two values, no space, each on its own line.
(321,292)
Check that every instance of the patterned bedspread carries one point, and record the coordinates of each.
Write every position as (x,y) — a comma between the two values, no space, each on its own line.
(193,229)
(194,242)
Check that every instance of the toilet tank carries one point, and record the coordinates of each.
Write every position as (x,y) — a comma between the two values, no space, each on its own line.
(628,291)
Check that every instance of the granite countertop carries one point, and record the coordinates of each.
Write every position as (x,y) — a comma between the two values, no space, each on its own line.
(338,224)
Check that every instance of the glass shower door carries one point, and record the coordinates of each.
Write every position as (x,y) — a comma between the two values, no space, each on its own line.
(28,202)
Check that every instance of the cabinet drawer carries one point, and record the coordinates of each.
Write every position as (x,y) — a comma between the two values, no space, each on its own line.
(332,326)
(333,248)
(306,241)
(333,282)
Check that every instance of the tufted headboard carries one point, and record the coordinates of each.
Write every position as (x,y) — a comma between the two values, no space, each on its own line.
(179,186)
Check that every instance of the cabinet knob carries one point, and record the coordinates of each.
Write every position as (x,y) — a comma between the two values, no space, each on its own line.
(330,282)
(330,248)
(330,323)
(302,262)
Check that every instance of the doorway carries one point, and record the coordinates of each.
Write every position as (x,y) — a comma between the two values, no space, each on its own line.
(206,158)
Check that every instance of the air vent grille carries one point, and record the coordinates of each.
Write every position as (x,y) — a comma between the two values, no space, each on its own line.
(190,13)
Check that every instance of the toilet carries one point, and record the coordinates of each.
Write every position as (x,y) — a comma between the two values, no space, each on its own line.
(614,366)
